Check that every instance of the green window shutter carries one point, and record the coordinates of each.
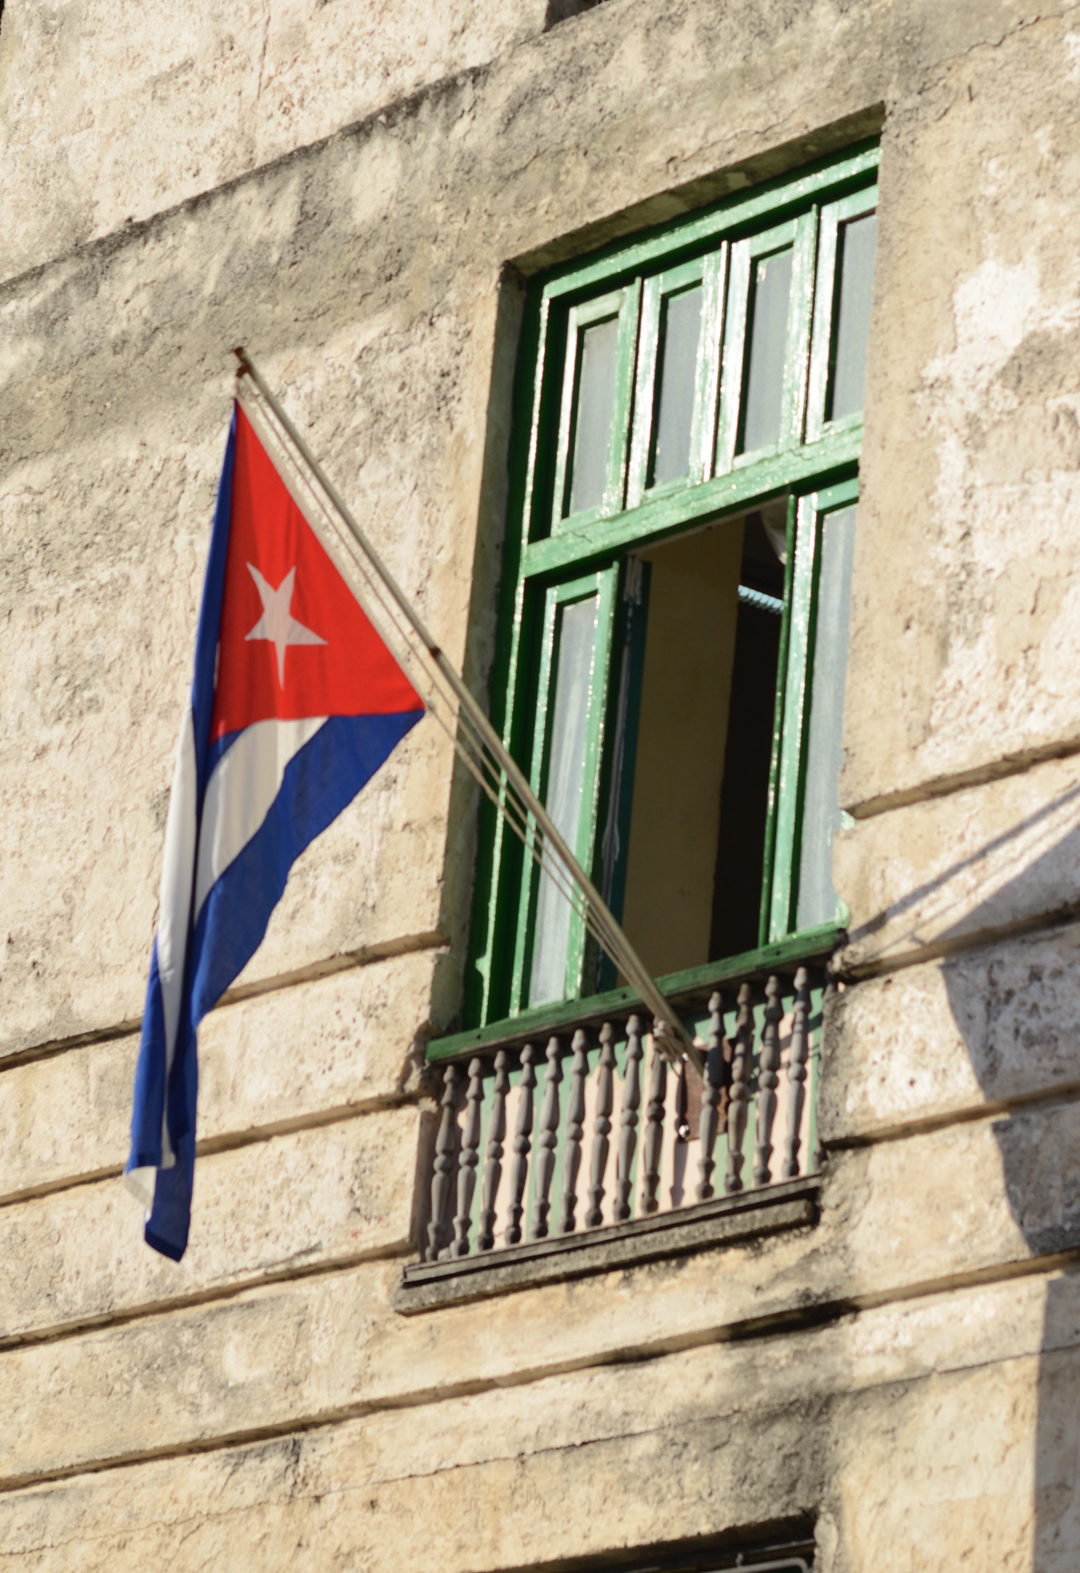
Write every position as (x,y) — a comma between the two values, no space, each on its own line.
(808,739)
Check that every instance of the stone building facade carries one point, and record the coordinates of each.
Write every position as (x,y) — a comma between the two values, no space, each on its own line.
(872,1363)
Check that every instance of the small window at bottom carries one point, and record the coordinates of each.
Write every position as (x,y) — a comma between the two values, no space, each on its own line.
(789,1557)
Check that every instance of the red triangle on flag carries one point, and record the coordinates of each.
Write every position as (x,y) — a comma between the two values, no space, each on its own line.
(294,641)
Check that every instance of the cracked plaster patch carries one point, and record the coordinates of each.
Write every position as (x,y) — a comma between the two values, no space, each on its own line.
(991,537)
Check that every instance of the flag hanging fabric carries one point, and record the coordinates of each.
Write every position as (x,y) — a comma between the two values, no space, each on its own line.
(296,702)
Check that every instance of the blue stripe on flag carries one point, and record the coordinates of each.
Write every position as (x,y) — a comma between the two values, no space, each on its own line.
(154,1049)
(149,1077)
(319,781)
(168,1224)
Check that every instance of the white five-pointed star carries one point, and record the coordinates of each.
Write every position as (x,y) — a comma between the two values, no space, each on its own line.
(277,624)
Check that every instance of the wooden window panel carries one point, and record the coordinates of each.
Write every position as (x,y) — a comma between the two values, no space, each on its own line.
(707,274)
(833,216)
(794,707)
(581,835)
(799,237)
(814,898)
(621,309)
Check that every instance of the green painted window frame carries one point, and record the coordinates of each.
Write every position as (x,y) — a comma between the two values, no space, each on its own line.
(834,216)
(548,551)
(621,305)
(601,585)
(787,786)
(798,235)
(710,272)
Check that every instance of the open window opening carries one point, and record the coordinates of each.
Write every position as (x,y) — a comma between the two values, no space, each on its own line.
(688,742)
(685,849)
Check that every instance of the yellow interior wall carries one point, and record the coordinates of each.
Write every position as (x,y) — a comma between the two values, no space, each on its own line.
(686,688)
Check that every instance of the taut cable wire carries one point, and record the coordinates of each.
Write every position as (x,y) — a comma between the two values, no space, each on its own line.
(467,743)
(475,740)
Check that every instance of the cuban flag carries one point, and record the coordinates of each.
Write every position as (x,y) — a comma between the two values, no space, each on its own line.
(295,704)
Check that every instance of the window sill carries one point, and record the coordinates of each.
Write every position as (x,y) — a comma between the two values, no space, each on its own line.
(727,1220)
(684,989)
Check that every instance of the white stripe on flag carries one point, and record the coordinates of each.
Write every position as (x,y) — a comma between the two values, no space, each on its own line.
(174,915)
(245,782)
(171,938)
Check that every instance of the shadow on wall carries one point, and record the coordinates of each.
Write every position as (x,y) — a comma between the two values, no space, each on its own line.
(1017,879)
(1034,995)
(1016,1004)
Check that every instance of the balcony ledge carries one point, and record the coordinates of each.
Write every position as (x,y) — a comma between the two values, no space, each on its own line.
(685,990)
(726,1220)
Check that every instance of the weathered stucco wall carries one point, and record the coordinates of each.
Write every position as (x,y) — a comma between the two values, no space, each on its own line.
(114,113)
(973,440)
(905,1375)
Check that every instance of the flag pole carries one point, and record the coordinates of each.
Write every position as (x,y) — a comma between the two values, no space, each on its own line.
(666,1021)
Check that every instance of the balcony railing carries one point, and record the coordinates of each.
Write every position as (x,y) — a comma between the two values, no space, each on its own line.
(584,1127)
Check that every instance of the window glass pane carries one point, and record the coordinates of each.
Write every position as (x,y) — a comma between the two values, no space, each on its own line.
(680,325)
(592,417)
(855,270)
(816,902)
(766,338)
(744,794)
(565,787)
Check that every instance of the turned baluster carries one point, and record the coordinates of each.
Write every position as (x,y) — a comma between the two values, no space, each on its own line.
(796,1071)
(740,1086)
(631,1103)
(493,1168)
(549,1135)
(470,1157)
(519,1168)
(682,1104)
(654,1131)
(445,1144)
(575,1128)
(832,988)
(605,1090)
(768,1080)
(711,1093)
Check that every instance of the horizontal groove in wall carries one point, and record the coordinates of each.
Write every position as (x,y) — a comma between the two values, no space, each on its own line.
(228,1141)
(964,1114)
(981,939)
(389,950)
(960,780)
(387,117)
(808,1318)
(795,1207)
(152,1310)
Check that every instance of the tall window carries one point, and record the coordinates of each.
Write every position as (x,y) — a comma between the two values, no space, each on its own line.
(677,586)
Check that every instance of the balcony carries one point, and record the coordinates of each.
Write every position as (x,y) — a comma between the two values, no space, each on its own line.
(565,1145)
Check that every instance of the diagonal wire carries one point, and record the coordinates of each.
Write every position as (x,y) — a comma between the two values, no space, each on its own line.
(480,763)
(498,787)
(483,761)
